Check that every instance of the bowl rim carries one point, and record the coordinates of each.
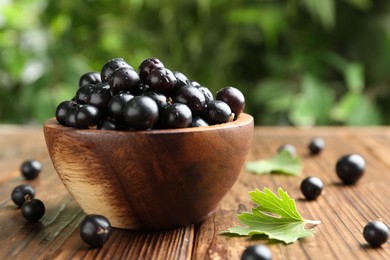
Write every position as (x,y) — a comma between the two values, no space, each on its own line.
(242,119)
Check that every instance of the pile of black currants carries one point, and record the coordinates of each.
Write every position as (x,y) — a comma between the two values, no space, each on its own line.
(119,98)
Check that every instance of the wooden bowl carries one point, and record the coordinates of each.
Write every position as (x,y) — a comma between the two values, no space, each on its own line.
(153,179)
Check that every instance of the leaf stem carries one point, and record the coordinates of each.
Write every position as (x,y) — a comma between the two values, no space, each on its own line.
(313,222)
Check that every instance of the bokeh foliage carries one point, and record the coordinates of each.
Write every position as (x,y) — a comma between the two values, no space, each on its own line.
(300,62)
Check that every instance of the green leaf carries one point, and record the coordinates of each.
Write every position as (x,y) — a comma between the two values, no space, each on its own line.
(276,217)
(283,162)
(354,77)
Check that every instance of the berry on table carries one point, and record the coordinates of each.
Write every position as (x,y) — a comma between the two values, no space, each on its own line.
(376,233)
(257,252)
(22,192)
(311,187)
(33,210)
(30,169)
(350,168)
(95,230)
(288,147)
(316,145)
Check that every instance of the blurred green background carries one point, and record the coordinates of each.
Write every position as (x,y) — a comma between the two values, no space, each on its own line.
(299,62)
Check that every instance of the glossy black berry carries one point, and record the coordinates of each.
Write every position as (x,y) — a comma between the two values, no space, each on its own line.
(256,252)
(99,97)
(350,168)
(108,125)
(141,113)
(83,93)
(95,230)
(207,93)
(124,79)
(192,97)
(181,79)
(198,121)
(33,210)
(218,112)
(70,119)
(92,77)
(22,192)
(116,105)
(112,65)
(30,169)
(62,110)
(147,66)
(316,145)
(87,116)
(376,233)
(177,115)
(311,187)
(233,97)
(289,148)
(161,80)
(160,99)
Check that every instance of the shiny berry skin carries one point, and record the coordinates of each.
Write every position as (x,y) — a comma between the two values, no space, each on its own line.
(207,93)
(311,187)
(350,168)
(33,210)
(83,93)
(218,112)
(177,115)
(92,77)
(108,125)
(198,121)
(124,79)
(234,98)
(20,192)
(161,80)
(141,113)
(87,116)
(30,169)
(376,233)
(112,65)
(62,109)
(288,147)
(181,79)
(256,252)
(147,66)
(99,97)
(316,145)
(159,98)
(116,105)
(95,230)
(192,97)
(70,119)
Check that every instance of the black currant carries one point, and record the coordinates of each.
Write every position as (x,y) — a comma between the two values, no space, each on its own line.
(87,116)
(124,79)
(376,233)
(192,97)
(288,147)
(234,98)
(62,110)
(22,192)
(207,93)
(311,187)
(116,105)
(257,252)
(218,112)
(198,121)
(70,118)
(30,169)
(161,99)
(181,79)
(108,125)
(95,230)
(92,77)
(147,66)
(141,112)
(112,65)
(33,210)
(350,168)
(316,145)
(161,80)
(99,97)
(83,93)
(176,115)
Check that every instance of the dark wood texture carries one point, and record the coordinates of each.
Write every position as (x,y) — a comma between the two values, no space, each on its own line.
(154,179)
(343,210)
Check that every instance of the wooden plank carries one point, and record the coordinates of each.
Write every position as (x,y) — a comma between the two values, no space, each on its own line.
(343,210)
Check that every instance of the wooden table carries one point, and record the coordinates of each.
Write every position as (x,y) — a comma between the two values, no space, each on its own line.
(343,210)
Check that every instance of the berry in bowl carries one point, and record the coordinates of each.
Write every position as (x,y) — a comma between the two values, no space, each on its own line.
(148,149)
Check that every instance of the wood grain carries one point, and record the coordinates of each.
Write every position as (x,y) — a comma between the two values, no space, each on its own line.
(343,210)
